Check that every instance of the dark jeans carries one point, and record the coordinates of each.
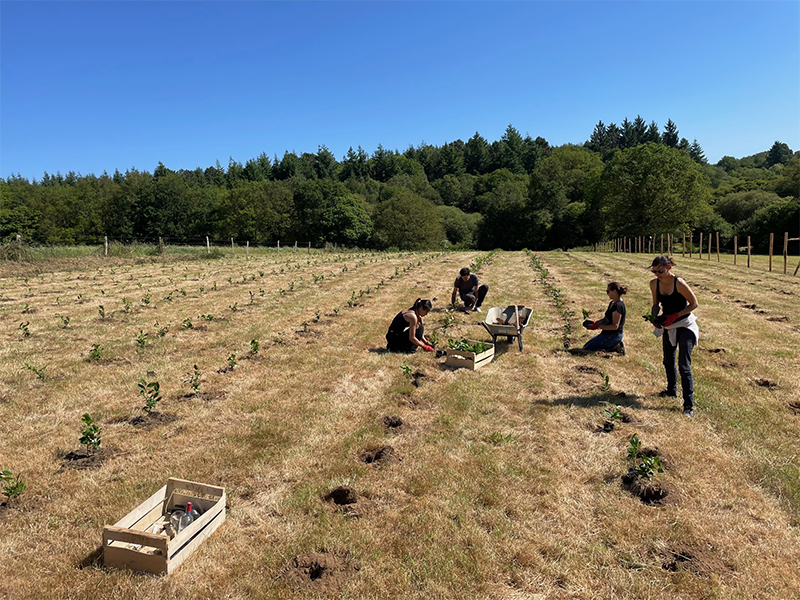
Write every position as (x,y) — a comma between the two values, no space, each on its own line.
(399,342)
(470,301)
(685,345)
(602,342)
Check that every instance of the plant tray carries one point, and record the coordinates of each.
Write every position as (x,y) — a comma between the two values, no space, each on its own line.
(128,543)
(470,360)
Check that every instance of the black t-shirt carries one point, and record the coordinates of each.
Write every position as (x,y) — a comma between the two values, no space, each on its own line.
(618,306)
(465,287)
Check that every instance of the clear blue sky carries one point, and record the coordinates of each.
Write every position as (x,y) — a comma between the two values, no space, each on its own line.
(94,86)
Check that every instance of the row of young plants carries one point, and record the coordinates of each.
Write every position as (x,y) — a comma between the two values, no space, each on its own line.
(555,293)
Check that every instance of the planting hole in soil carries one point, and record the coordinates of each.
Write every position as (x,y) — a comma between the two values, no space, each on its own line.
(417,378)
(324,571)
(649,492)
(342,496)
(153,419)
(393,422)
(765,383)
(377,456)
(84,459)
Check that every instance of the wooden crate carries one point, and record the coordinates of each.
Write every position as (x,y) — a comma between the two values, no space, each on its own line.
(129,544)
(470,360)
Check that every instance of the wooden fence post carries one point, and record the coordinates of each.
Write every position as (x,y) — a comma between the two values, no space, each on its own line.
(735,248)
(785,250)
(232,249)
(718,246)
(105,253)
(771,240)
(247,248)
(748,251)
(309,247)
(208,246)
(691,241)
(700,250)
(662,243)
(709,247)
(279,245)
(295,246)
(683,246)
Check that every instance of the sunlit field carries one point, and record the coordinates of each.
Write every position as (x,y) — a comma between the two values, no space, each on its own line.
(498,483)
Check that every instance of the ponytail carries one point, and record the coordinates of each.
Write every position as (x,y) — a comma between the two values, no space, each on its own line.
(423,304)
(616,287)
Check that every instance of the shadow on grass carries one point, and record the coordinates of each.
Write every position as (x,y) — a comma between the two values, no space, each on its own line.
(95,559)
(619,398)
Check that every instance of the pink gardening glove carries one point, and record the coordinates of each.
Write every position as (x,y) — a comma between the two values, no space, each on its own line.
(427,348)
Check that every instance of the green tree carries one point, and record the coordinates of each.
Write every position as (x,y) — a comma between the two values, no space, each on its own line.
(407,221)
(651,188)
(670,135)
(779,154)
(476,155)
(459,226)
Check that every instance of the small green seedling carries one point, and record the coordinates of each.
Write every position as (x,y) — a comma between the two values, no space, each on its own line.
(38,371)
(90,434)
(613,413)
(336,311)
(150,392)
(585,313)
(96,353)
(234,307)
(193,379)
(127,304)
(187,323)
(101,311)
(207,317)
(649,466)
(232,360)
(162,331)
(146,299)
(406,370)
(605,384)
(64,320)
(634,447)
(141,339)
(254,346)
(24,328)
(12,485)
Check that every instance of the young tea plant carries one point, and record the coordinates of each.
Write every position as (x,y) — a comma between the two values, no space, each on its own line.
(24,328)
(634,447)
(254,346)
(64,320)
(141,339)
(613,413)
(96,353)
(101,311)
(12,485)
(406,370)
(232,361)
(193,379)
(605,383)
(38,371)
(90,434)
(150,392)
(649,466)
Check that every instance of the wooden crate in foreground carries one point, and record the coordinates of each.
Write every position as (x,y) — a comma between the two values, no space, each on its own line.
(470,360)
(129,543)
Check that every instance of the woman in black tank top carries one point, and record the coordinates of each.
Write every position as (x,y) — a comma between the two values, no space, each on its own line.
(406,333)
(673,303)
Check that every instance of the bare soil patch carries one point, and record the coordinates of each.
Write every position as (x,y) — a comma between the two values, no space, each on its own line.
(692,558)
(765,383)
(649,492)
(84,459)
(378,456)
(393,423)
(324,572)
(153,419)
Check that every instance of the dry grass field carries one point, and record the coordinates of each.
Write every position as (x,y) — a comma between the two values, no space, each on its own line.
(499,483)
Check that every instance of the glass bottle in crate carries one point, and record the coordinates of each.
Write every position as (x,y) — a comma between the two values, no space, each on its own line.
(186,518)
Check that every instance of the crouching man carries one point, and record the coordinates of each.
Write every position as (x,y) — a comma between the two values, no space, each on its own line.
(466,285)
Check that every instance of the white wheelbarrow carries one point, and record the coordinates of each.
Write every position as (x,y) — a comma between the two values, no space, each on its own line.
(509,321)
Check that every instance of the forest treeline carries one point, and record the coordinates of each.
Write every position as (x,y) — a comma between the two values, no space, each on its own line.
(516,192)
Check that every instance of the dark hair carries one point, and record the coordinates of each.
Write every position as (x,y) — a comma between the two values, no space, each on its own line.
(424,304)
(662,260)
(464,271)
(616,287)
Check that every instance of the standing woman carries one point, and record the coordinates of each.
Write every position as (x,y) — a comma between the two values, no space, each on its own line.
(675,300)
(406,333)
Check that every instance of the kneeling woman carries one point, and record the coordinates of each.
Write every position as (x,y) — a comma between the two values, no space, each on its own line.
(610,336)
(406,333)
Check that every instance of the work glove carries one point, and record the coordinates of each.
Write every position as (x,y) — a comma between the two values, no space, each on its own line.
(589,324)
(670,319)
(427,348)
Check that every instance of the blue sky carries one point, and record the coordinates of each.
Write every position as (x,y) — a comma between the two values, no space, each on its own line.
(94,86)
